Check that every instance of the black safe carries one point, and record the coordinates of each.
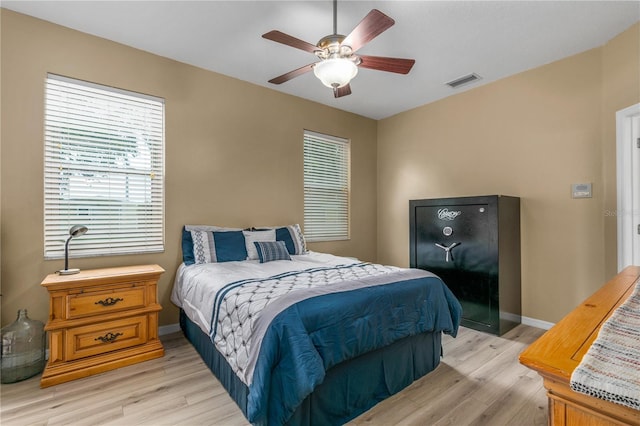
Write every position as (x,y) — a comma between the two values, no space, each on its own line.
(473,245)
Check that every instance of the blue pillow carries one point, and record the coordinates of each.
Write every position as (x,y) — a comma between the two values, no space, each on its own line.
(230,246)
(187,247)
(214,246)
(268,251)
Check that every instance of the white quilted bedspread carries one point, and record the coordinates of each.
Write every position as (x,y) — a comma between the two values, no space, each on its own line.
(236,333)
(195,286)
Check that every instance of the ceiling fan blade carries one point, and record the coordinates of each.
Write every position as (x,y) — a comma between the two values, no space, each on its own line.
(369,28)
(380,63)
(280,37)
(292,74)
(342,91)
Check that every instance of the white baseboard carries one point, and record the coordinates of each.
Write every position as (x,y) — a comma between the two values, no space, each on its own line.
(533,322)
(168,329)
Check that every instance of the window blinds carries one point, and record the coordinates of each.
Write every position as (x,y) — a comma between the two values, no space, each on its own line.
(104,168)
(326,187)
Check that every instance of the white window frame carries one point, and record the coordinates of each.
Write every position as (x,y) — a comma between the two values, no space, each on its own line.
(327,187)
(103,168)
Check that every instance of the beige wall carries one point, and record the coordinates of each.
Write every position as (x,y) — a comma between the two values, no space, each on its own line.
(223,137)
(530,135)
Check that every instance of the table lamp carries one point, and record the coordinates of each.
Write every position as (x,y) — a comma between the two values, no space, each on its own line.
(75,231)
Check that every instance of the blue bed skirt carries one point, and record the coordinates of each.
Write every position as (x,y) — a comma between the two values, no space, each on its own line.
(349,389)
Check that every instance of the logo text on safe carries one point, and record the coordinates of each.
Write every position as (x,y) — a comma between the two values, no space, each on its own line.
(446,214)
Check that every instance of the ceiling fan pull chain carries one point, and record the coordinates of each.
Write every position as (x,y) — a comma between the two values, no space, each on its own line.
(335,17)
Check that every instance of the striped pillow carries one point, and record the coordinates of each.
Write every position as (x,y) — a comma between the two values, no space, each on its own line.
(269,251)
(188,256)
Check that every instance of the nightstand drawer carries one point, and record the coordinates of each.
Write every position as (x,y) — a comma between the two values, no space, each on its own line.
(97,303)
(106,336)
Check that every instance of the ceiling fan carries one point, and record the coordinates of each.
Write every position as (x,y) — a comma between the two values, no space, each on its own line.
(338,62)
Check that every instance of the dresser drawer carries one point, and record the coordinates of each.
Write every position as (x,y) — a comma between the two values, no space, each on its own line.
(106,336)
(97,303)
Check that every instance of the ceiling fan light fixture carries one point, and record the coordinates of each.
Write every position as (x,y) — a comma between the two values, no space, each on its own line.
(338,63)
(335,72)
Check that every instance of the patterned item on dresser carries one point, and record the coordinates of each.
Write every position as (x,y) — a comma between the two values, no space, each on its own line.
(610,369)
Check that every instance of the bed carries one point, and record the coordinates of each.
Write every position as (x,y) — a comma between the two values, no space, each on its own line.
(299,337)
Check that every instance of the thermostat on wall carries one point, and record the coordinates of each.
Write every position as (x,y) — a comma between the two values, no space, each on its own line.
(581,190)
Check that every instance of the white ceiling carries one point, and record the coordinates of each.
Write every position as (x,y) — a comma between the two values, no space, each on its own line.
(448,39)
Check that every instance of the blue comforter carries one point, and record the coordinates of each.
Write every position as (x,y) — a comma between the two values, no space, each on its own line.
(306,339)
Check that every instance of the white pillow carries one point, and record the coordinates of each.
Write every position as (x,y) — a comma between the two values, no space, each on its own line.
(209,228)
(252,236)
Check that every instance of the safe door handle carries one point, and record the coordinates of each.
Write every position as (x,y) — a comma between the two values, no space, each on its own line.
(447,250)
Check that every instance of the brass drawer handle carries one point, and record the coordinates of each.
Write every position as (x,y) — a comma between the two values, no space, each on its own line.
(109,301)
(109,337)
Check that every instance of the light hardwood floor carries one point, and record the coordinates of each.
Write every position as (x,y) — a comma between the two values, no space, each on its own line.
(479,382)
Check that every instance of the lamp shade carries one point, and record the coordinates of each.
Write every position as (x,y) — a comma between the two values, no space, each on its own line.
(335,72)
(78,230)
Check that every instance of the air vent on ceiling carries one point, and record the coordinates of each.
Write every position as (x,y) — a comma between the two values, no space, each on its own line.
(464,80)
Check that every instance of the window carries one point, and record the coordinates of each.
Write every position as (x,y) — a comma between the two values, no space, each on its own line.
(326,187)
(103,168)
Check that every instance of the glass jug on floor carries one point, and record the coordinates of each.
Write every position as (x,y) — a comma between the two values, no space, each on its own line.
(23,343)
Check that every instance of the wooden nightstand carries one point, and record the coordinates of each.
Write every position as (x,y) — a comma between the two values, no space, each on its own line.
(100,320)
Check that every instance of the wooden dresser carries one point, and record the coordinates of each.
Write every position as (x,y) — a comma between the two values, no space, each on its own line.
(100,320)
(559,351)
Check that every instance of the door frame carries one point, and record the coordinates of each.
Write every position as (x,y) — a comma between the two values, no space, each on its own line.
(625,202)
